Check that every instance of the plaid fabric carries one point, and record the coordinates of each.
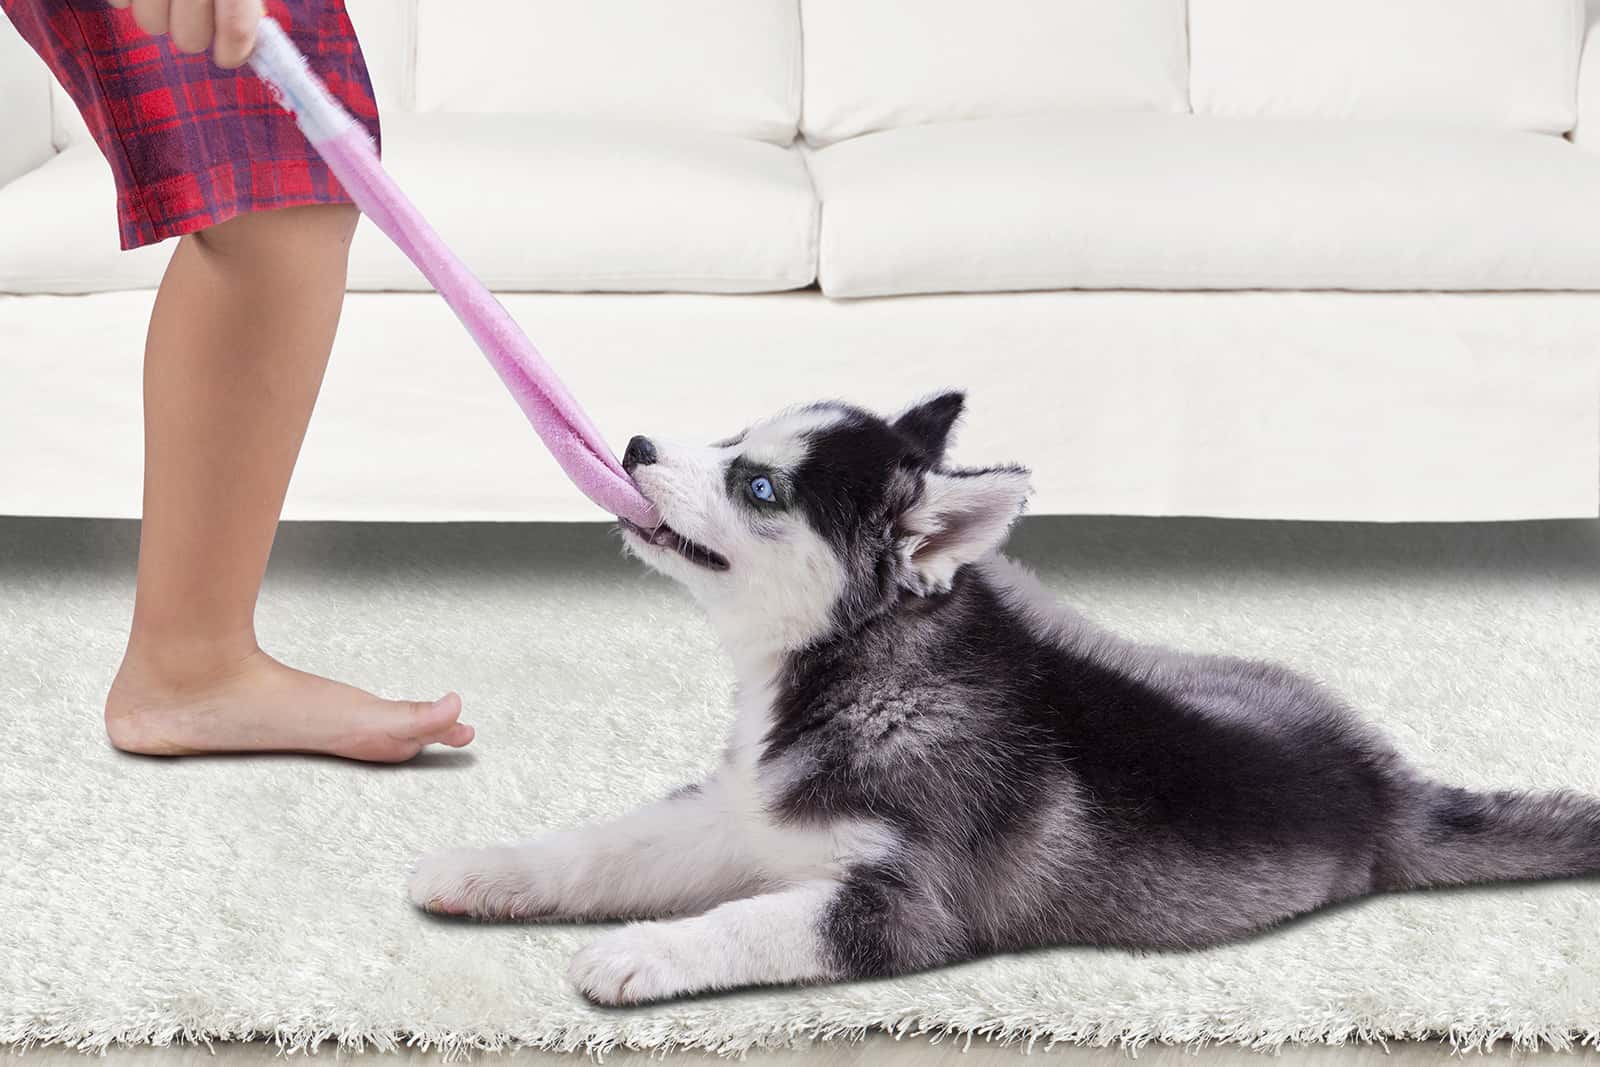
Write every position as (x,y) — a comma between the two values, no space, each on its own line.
(192,145)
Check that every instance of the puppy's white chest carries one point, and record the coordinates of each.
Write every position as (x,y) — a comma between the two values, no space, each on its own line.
(756,786)
(789,850)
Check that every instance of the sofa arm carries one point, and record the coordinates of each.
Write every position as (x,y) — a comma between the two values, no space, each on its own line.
(25,116)
(1587,131)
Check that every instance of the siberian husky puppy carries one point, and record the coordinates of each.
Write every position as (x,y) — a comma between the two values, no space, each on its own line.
(931,760)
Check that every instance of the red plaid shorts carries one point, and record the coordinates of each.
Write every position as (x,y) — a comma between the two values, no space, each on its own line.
(193,145)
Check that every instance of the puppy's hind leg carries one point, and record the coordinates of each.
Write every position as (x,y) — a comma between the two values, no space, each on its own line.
(682,854)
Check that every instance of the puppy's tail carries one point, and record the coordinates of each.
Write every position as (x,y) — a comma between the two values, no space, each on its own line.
(1451,836)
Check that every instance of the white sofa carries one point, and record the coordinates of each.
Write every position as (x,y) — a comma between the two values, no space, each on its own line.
(1306,259)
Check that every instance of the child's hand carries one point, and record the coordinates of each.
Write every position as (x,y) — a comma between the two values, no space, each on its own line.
(227,28)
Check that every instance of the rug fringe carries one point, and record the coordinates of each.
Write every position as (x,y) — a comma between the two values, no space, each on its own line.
(667,1036)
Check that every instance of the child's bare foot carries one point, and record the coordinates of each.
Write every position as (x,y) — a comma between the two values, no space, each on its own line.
(260,705)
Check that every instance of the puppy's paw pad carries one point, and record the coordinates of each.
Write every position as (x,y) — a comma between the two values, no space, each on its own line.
(634,965)
(485,883)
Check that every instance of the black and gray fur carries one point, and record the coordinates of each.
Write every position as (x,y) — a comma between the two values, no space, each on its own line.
(1054,784)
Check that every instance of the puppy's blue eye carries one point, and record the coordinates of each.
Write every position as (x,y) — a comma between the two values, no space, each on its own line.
(761,489)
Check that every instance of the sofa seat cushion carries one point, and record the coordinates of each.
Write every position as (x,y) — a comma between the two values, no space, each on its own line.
(1153,201)
(529,204)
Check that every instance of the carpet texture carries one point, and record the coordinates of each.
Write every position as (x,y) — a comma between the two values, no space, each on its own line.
(144,900)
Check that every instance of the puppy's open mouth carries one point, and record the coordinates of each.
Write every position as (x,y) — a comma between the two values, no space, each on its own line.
(664,536)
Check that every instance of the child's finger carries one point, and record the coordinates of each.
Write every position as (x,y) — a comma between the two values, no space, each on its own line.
(152,15)
(236,31)
(191,25)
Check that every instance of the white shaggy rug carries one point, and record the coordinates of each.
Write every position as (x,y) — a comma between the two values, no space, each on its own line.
(148,901)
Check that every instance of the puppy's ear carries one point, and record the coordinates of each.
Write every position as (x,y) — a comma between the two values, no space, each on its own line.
(959,517)
(928,424)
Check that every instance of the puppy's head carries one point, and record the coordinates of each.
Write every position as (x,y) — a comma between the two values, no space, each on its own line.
(819,517)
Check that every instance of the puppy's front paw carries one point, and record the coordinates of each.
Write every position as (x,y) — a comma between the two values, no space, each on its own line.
(485,883)
(637,964)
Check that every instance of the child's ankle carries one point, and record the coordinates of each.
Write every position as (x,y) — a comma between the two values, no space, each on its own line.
(182,661)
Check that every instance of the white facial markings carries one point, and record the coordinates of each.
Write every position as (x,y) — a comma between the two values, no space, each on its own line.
(781,442)
(783,578)
(685,484)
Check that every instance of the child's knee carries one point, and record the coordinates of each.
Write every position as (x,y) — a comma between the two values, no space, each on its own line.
(310,235)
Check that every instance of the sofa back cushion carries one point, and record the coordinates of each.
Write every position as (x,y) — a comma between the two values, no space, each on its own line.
(1587,130)
(25,88)
(877,64)
(1507,63)
(732,66)
(387,30)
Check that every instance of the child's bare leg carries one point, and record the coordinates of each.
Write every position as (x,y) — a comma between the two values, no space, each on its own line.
(238,342)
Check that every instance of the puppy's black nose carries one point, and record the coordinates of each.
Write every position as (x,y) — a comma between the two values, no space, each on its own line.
(639,453)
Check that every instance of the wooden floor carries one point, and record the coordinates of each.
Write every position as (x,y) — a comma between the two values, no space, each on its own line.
(874,1051)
